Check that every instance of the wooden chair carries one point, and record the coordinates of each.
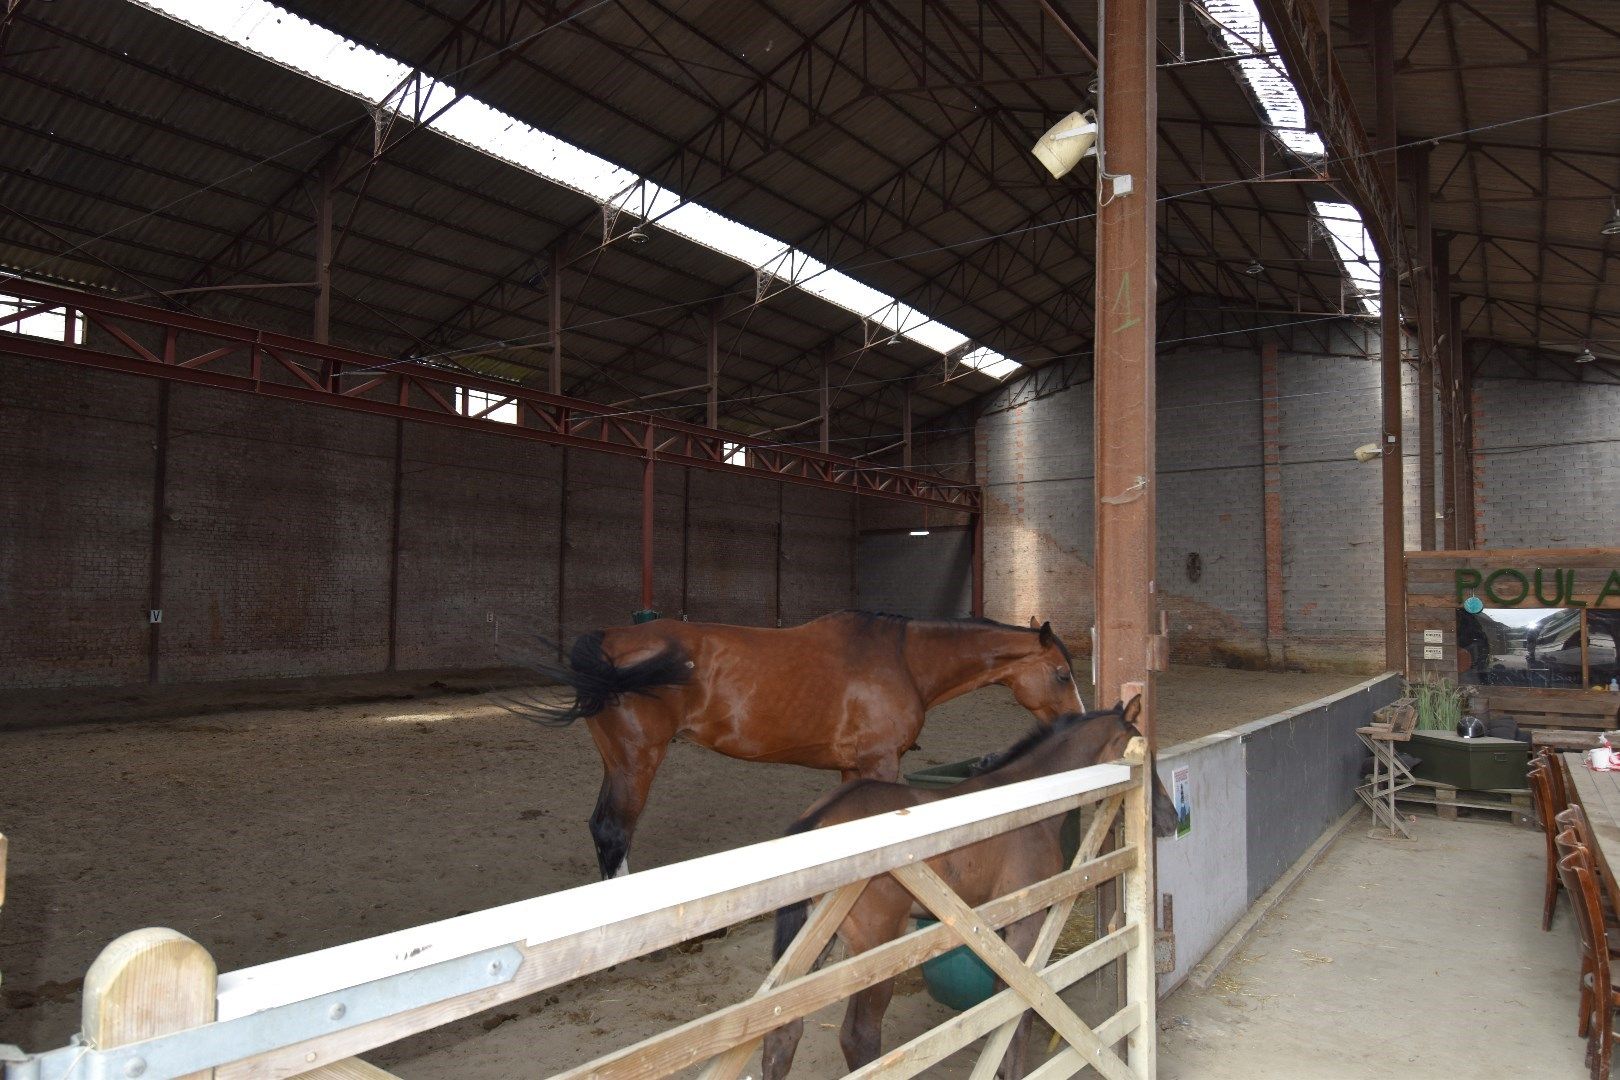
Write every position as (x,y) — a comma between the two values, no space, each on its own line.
(1599,998)
(1547,811)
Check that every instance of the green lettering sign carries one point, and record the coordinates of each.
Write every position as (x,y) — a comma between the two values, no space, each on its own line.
(1466,579)
(1504,601)
(1610,586)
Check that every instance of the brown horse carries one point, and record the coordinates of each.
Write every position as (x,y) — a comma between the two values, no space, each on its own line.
(978,873)
(847,691)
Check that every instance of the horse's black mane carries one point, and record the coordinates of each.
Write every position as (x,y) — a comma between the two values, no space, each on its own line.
(1039,736)
(873,618)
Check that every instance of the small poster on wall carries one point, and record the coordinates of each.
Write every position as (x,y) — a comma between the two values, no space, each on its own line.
(1181,795)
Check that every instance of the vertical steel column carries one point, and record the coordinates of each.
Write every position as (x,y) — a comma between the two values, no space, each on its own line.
(393,544)
(1125,487)
(713,414)
(647,525)
(323,256)
(905,427)
(1446,373)
(826,404)
(1271,496)
(555,382)
(978,564)
(160,511)
(1390,363)
(1467,524)
(1422,281)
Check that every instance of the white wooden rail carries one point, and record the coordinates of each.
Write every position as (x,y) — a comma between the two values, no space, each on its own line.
(153,1009)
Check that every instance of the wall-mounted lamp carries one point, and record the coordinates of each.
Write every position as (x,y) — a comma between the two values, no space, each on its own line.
(919,532)
(1585,356)
(1254,269)
(1368,452)
(1066,142)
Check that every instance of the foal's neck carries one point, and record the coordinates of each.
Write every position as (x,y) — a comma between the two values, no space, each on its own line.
(1072,749)
(949,659)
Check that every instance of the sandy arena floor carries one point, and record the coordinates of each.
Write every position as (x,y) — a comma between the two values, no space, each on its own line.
(267,832)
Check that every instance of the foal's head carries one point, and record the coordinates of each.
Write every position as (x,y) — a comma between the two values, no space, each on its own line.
(1103,736)
(1042,680)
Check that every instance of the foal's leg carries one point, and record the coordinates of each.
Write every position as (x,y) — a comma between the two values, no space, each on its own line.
(631,755)
(1020,937)
(861,1037)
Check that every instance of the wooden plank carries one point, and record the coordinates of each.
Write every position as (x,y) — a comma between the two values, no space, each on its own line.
(799,957)
(938,1043)
(1502,556)
(1141,909)
(927,886)
(1068,1061)
(996,1047)
(633,915)
(699,1039)
(670,904)
(348,1069)
(1599,796)
(147,983)
(1563,739)
(2,869)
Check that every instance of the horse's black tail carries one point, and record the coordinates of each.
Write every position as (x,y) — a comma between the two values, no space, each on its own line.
(789,921)
(595,680)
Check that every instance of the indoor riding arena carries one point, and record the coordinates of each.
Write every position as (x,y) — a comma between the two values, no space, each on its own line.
(638,538)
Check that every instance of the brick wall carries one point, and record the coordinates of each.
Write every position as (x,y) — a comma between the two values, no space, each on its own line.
(1546,464)
(279,537)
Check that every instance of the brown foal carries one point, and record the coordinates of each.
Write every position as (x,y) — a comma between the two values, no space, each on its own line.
(847,691)
(978,873)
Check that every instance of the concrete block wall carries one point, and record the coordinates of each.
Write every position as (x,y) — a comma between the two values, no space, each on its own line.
(298,540)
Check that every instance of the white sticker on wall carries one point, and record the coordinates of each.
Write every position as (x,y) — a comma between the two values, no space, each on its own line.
(1433,652)
(1434,637)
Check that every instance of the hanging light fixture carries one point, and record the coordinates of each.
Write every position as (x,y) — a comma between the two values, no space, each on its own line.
(1067,142)
(636,235)
(1612,226)
(1585,356)
(1254,269)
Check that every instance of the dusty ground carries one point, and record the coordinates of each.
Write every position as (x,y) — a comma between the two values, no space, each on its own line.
(267,832)
(1419,958)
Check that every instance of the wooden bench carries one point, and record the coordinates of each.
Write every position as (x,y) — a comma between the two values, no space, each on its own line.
(1535,707)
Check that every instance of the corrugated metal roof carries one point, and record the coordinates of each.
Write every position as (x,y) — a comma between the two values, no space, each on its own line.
(890,142)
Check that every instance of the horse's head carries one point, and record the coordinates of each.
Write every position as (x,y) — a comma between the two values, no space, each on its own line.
(1042,679)
(1110,732)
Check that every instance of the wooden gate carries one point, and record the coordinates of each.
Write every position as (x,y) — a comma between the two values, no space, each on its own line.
(154,1007)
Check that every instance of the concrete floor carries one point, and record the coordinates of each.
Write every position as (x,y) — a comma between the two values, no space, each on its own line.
(1394,958)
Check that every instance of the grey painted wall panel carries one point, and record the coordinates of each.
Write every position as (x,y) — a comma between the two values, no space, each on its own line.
(1302,769)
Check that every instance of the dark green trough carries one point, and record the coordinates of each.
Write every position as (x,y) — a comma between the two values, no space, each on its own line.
(959,979)
(1482,764)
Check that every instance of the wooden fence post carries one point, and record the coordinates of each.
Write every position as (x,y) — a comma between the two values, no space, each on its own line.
(147,983)
(1141,978)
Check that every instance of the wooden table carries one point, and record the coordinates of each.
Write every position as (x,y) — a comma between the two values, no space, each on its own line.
(1599,796)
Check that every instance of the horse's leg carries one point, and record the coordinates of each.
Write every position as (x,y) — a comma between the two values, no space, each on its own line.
(630,758)
(1020,937)
(861,1037)
(780,1046)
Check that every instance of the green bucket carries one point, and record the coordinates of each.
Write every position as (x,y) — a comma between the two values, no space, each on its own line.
(647,615)
(958,979)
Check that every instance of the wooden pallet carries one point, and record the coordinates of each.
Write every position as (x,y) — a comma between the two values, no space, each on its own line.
(1447,800)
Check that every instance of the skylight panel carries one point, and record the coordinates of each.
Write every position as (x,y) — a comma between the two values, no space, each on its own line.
(1244,34)
(266,29)
(1355,249)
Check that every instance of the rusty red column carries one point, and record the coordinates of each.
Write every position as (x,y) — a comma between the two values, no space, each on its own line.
(1126,297)
(1394,490)
(647,524)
